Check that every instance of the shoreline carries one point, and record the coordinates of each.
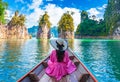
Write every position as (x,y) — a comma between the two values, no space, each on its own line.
(98,37)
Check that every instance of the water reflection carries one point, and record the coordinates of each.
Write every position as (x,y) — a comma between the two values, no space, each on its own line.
(101,57)
(2,45)
(114,58)
(17,57)
(70,43)
(43,46)
(10,55)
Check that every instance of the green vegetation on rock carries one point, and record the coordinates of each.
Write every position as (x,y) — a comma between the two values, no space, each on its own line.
(90,27)
(44,20)
(3,6)
(112,15)
(84,16)
(66,22)
(17,20)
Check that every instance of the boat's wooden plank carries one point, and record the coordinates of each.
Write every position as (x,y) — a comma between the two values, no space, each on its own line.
(44,78)
(27,79)
(39,69)
(41,74)
(63,79)
(81,69)
(68,78)
(52,80)
(91,75)
(73,77)
(77,73)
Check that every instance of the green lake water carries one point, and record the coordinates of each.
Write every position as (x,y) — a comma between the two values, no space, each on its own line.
(102,57)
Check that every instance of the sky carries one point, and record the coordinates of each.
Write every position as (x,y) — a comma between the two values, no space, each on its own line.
(33,9)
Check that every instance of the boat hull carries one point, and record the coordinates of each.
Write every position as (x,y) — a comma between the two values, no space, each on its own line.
(82,74)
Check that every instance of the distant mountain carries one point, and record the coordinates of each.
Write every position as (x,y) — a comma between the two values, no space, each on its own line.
(33,31)
(54,32)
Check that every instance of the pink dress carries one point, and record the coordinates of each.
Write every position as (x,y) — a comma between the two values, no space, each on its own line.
(59,69)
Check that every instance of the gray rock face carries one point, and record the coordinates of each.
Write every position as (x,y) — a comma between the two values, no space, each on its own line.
(15,32)
(116,33)
(67,34)
(2,32)
(43,32)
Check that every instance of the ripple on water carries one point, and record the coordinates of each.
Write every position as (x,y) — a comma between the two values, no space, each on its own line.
(101,57)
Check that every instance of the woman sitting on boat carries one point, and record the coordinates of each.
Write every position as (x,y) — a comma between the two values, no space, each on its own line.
(59,63)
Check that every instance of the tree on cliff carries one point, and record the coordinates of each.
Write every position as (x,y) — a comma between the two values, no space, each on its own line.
(44,20)
(17,20)
(112,15)
(84,15)
(66,23)
(3,6)
(90,27)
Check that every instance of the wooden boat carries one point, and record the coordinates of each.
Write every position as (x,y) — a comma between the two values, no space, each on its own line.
(82,74)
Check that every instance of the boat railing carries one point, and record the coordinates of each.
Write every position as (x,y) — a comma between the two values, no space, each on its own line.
(35,69)
(92,76)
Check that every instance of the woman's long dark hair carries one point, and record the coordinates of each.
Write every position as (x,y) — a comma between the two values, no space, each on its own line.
(60,52)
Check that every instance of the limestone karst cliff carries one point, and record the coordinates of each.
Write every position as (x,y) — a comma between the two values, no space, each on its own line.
(15,29)
(66,26)
(43,32)
(44,27)
(15,32)
(112,18)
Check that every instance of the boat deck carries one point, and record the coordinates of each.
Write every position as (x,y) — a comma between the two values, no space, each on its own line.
(74,77)
(81,74)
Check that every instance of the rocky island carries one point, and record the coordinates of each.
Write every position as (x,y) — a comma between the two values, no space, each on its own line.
(15,29)
(44,27)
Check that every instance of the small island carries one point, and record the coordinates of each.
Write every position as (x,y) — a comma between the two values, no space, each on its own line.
(15,28)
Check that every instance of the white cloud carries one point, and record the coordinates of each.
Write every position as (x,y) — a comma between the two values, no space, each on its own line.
(93,11)
(32,19)
(35,4)
(49,0)
(103,7)
(55,13)
(19,1)
(98,12)
(8,14)
(100,8)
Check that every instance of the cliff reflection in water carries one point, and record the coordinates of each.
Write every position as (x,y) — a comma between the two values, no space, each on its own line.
(10,52)
(43,46)
(70,43)
(17,57)
(11,49)
(114,58)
